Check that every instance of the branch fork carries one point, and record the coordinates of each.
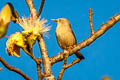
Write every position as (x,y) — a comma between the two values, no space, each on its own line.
(47,61)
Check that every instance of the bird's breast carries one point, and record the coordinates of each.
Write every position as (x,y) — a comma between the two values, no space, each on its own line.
(65,36)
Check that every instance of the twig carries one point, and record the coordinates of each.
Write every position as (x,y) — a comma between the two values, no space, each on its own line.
(63,67)
(61,72)
(66,67)
(41,7)
(90,20)
(31,8)
(38,61)
(14,69)
(39,72)
(45,59)
(71,64)
(88,41)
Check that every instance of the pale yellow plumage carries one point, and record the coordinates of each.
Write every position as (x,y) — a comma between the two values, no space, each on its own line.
(65,35)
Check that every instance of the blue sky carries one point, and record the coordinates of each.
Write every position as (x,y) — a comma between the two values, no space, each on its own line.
(101,57)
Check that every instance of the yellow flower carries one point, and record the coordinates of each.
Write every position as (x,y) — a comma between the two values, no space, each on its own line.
(14,43)
(106,78)
(5,17)
(6,13)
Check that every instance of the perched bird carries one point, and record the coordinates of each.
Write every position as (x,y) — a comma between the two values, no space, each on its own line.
(65,36)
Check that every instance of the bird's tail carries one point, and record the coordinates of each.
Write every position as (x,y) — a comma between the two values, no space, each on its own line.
(79,55)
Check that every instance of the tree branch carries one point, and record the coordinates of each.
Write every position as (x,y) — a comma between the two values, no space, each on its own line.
(32,9)
(71,64)
(41,7)
(38,63)
(61,72)
(45,59)
(91,39)
(39,72)
(63,67)
(90,20)
(14,69)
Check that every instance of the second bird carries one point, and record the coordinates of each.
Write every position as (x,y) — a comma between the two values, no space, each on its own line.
(65,36)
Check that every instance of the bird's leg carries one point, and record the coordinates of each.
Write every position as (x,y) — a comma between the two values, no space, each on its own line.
(66,54)
(70,47)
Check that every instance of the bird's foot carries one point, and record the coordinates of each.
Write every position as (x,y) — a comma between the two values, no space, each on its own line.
(70,47)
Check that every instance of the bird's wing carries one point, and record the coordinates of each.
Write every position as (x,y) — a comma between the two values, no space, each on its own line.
(73,33)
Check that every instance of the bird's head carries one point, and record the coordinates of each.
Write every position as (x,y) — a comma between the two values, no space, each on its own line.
(61,21)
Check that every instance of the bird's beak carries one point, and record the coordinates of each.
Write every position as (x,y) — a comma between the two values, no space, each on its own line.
(54,20)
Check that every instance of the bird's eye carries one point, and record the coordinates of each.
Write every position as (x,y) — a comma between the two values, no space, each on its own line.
(60,20)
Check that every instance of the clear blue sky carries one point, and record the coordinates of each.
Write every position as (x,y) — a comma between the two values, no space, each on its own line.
(101,57)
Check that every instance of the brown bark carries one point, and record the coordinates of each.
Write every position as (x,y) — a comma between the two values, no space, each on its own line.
(90,20)
(45,60)
(14,69)
(89,40)
(32,9)
(41,7)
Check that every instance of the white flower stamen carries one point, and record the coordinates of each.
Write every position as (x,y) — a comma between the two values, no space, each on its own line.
(35,26)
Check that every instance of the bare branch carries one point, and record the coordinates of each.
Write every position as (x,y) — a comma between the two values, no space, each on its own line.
(39,72)
(90,40)
(71,64)
(38,61)
(61,72)
(90,20)
(31,8)
(14,69)
(45,59)
(41,7)
(59,57)
(65,66)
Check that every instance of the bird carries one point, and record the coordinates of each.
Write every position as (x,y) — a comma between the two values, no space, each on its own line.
(65,35)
